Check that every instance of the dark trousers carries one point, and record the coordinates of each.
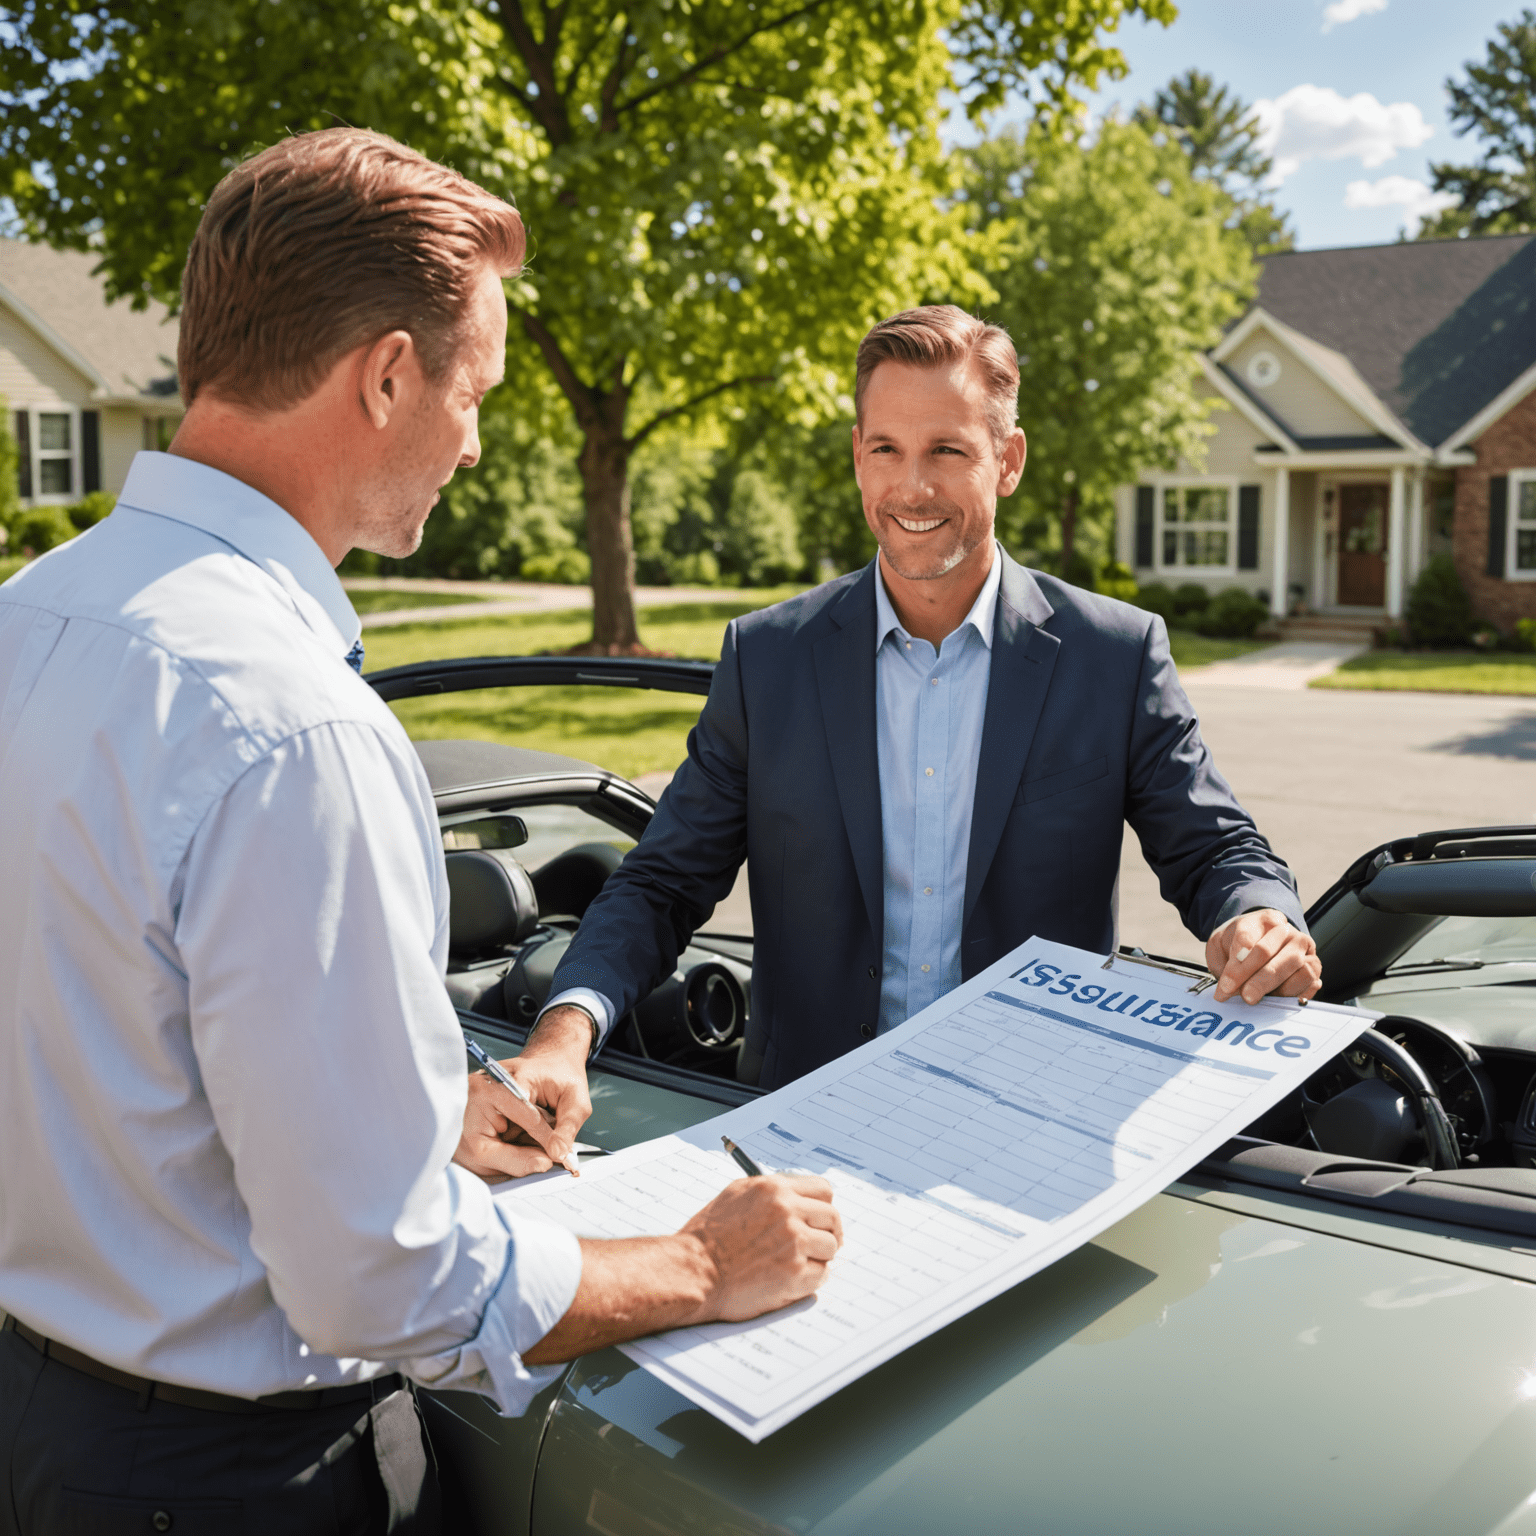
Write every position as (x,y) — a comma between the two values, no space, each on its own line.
(81,1457)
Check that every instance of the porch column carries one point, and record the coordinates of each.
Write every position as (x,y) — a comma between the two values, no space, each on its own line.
(1280,576)
(1415,527)
(1395,537)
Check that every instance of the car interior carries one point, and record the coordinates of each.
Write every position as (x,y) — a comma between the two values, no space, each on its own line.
(1431,1113)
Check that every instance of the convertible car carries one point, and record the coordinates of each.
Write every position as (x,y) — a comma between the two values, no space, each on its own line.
(1329,1326)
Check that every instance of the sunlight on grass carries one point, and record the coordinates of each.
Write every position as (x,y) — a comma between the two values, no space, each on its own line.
(1435,672)
(629,731)
(389,602)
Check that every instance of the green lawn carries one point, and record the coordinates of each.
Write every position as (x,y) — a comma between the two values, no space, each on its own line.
(388,602)
(643,732)
(1192,650)
(1436,672)
(631,733)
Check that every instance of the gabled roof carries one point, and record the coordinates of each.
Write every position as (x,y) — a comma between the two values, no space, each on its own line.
(126,353)
(1437,329)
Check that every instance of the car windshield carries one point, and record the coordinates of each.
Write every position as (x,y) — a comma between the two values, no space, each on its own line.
(1473,940)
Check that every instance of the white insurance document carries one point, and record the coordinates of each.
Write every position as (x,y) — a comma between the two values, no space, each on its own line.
(995,1131)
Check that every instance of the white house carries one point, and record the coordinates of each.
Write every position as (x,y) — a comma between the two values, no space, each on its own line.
(1382,409)
(86,383)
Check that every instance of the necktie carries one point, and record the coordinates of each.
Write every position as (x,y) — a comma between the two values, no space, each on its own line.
(355,657)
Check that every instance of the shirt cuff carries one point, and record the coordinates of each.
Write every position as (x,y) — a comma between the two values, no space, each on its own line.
(537,1288)
(595,1004)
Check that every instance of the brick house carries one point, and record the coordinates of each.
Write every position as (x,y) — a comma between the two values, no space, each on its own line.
(1381,409)
(86,384)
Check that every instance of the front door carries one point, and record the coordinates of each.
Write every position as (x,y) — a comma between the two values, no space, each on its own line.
(1362,546)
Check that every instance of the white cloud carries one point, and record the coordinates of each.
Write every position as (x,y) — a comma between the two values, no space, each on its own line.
(1413,197)
(1341,11)
(1314,122)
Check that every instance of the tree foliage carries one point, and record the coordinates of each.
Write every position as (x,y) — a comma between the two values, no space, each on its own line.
(1219,134)
(1116,268)
(1496,103)
(721,194)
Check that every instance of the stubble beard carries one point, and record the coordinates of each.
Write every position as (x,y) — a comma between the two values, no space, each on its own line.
(945,558)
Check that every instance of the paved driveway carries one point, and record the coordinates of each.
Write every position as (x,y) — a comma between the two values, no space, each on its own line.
(1330,774)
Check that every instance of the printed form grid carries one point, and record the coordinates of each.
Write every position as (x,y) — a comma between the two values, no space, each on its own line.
(1051,1113)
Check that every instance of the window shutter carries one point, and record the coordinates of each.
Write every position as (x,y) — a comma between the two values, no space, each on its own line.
(1248,527)
(90,450)
(24,459)
(1146,501)
(1498,523)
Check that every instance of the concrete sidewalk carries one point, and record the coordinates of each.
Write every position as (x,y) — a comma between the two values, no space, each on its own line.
(1290,664)
(502,598)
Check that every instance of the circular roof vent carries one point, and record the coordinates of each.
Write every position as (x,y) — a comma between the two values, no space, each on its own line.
(1263,369)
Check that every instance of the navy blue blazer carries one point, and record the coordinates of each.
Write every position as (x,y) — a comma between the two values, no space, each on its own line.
(1086,729)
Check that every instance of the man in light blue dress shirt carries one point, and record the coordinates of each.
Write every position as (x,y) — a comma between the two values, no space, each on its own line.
(931,760)
(239,1202)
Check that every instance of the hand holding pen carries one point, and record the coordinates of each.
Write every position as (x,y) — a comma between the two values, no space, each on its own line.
(539,1130)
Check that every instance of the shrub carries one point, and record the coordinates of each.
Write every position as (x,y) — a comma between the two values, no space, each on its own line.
(90,510)
(1190,599)
(1525,635)
(40,529)
(1439,610)
(1232,615)
(9,565)
(1116,580)
(1156,598)
(569,567)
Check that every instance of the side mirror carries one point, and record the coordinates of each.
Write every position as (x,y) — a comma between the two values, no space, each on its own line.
(478,830)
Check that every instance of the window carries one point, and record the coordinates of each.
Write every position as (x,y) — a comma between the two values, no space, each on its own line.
(1196,529)
(1522,524)
(55,454)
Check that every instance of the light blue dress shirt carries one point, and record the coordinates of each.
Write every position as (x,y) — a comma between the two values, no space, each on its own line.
(930,706)
(232,1078)
(929,709)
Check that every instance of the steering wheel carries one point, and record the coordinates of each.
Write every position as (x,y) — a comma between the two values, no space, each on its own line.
(1358,1103)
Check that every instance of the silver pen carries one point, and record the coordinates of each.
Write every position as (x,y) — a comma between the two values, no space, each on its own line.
(495,1069)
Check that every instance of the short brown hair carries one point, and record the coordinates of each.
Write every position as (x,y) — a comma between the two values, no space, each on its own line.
(322,243)
(938,334)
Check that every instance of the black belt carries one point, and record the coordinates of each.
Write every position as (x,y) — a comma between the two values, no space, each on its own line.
(194,1397)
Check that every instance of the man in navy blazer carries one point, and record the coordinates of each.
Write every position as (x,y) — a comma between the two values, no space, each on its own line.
(931,760)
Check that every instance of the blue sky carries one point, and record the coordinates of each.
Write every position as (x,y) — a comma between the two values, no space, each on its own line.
(1355,102)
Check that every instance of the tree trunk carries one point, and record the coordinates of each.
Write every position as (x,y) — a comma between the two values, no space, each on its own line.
(604,466)
(1068,532)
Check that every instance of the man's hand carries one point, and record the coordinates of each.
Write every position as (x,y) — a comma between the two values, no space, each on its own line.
(760,1244)
(1259,953)
(553,1070)
(505,1139)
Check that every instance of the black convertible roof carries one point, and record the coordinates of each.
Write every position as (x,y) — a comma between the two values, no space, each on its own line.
(454,765)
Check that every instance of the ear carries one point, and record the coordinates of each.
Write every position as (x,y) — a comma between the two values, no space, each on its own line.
(389,372)
(1012,459)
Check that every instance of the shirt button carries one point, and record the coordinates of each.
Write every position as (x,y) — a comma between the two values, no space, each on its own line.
(934,681)
(161,1520)
(927,890)
(929,772)
(925,969)
(867,1030)
(871,973)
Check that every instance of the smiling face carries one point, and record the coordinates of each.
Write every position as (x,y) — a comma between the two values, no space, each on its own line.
(930,472)
(441,429)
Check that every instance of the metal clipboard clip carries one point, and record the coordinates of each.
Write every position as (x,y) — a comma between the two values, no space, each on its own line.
(1181,971)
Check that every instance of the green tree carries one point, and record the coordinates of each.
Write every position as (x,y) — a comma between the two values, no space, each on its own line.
(1116,270)
(1219,134)
(721,195)
(1497,102)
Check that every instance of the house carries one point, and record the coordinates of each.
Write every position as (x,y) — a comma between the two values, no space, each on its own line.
(1382,411)
(86,384)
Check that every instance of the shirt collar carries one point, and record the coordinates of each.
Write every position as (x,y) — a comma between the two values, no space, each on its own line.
(254,526)
(983,612)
